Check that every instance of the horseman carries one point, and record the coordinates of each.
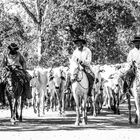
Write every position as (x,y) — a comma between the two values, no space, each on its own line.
(13,57)
(133,60)
(82,55)
(134,54)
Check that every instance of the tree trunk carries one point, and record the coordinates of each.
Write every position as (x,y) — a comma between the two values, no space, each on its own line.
(39,44)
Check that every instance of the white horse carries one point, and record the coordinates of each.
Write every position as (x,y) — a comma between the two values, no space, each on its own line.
(80,87)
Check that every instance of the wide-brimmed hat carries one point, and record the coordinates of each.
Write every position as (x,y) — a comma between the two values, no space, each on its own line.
(136,39)
(83,41)
(13,46)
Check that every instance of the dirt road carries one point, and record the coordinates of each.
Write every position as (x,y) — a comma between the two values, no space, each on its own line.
(105,126)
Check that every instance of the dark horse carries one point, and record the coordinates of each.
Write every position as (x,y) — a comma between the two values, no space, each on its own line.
(14,89)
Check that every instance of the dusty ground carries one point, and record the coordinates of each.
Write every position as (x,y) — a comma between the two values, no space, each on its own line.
(105,126)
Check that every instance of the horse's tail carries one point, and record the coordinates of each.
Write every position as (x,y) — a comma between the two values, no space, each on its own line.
(2,93)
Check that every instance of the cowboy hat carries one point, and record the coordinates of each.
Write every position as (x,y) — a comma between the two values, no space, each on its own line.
(13,46)
(136,39)
(80,40)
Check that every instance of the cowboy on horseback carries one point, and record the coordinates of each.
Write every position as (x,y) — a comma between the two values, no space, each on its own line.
(82,55)
(14,58)
(133,60)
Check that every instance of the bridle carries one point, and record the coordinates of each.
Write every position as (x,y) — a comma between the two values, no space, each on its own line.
(9,81)
(76,78)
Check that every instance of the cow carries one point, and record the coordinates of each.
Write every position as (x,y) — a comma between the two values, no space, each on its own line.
(96,98)
(52,92)
(59,79)
(39,84)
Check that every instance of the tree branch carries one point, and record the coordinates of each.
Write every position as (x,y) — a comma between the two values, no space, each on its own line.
(45,11)
(37,9)
(28,11)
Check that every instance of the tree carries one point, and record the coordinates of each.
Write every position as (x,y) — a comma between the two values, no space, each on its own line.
(38,15)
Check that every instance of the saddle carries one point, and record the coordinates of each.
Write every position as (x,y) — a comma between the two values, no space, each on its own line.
(128,78)
(90,76)
(18,73)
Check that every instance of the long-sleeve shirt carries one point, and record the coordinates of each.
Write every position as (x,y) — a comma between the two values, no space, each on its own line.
(134,55)
(84,56)
(16,59)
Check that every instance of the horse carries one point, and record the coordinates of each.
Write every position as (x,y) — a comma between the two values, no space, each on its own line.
(80,87)
(14,89)
(131,88)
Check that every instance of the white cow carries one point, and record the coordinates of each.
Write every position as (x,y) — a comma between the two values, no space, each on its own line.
(39,84)
(59,80)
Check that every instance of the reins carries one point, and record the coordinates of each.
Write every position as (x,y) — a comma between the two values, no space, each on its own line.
(79,80)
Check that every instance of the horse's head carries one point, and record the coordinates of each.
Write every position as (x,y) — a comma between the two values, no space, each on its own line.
(9,77)
(74,71)
(6,71)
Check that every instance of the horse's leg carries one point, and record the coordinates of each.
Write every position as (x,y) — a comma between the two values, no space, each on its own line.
(137,104)
(63,102)
(118,103)
(10,104)
(93,104)
(77,122)
(21,109)
(84,121)
(136,116)
(129,108)
(13,111)
(17,108)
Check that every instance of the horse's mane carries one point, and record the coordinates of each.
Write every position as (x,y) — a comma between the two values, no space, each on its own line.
(15,73)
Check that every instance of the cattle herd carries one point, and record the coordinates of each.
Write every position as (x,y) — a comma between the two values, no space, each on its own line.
(50,90)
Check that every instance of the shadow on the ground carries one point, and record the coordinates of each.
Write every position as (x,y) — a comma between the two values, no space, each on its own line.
(104,121)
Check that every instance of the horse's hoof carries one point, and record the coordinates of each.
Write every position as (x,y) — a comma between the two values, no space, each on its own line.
(13,122)
(20,119)
(136,121)
(94,115)
(60,114)
(77,124)
(84,122)
(35,111)
(130,123)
